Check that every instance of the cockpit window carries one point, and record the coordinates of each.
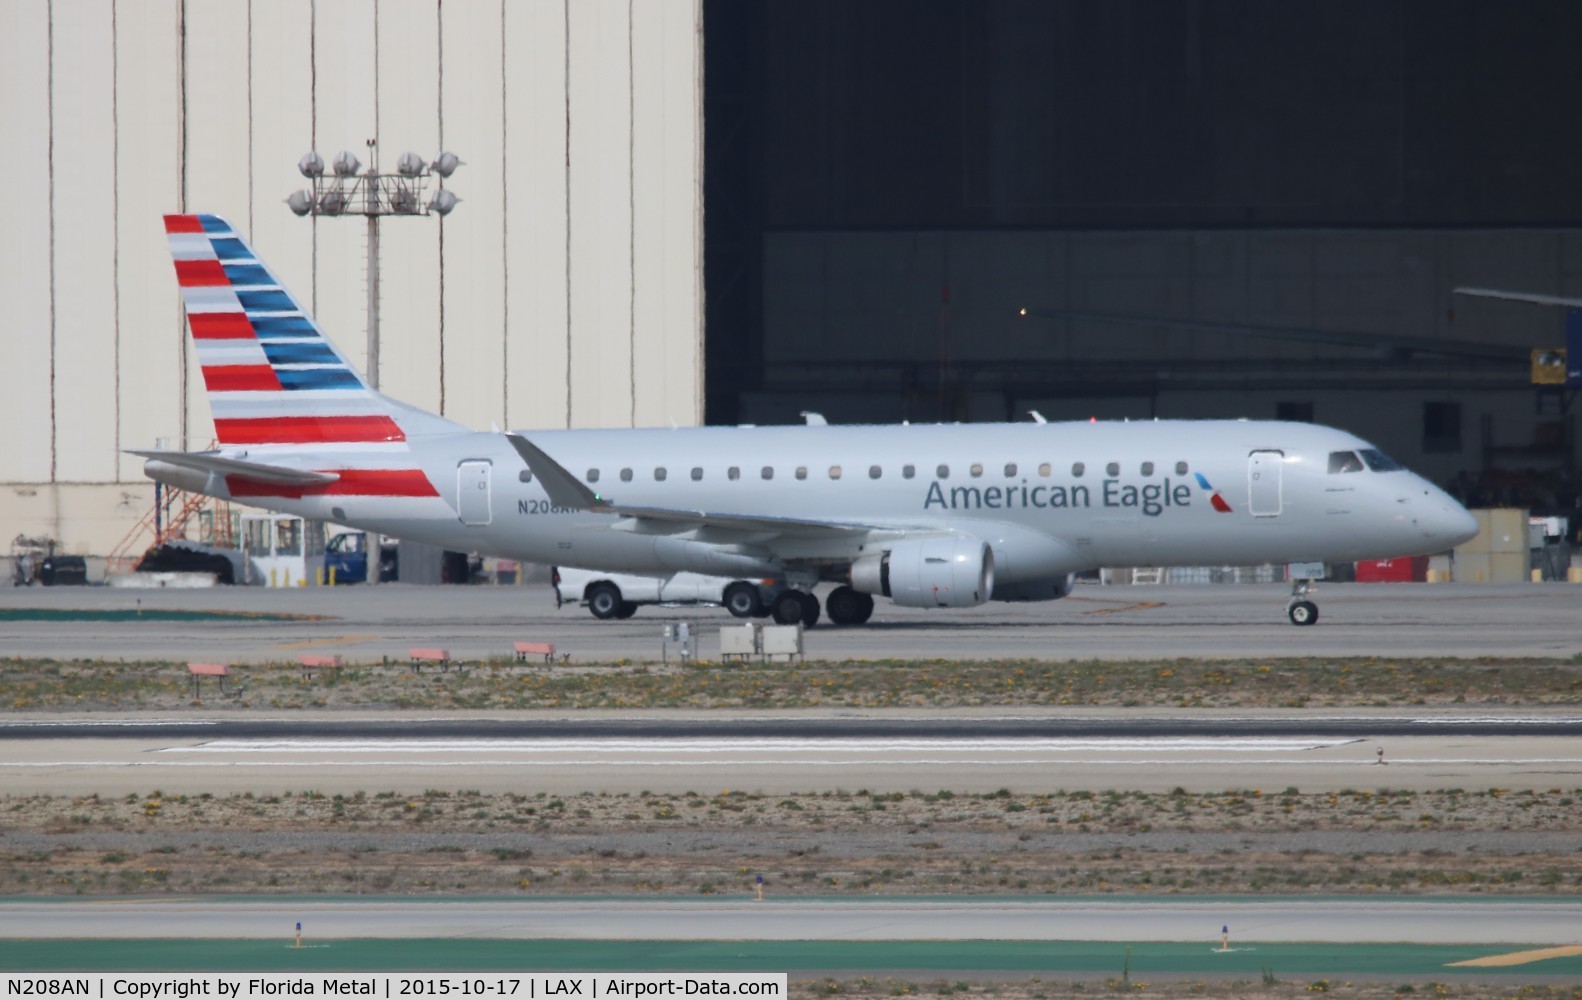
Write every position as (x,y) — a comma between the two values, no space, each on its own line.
(1378,461)
(1344,461)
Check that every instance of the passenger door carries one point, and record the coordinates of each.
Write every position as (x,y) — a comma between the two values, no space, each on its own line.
(1263,483)
(472,493)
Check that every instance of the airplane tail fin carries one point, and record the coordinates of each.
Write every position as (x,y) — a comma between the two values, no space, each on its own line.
(271,374)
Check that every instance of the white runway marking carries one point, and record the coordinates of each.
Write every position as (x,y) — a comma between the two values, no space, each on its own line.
(701,745)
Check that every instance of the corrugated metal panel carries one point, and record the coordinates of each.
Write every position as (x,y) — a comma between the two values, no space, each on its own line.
(601,218)
(148,184)
(24,253)
(84,159)
(217,176)
(282,103)
(344,102)
(535,217)
(473,247)
(667,231)
(409,248)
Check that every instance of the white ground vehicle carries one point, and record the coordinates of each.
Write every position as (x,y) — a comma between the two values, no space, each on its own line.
(617,595)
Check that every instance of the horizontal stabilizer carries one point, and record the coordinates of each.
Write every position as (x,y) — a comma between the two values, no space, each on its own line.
(208,461)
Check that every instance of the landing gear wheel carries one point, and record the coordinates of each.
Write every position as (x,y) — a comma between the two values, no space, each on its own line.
(742,600)
(1302,612)
(626,610)
(809,609)
(846,606)
(788,608)
(604,600)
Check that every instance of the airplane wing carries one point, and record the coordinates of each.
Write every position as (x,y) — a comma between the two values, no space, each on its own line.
(566,490)
(208,461)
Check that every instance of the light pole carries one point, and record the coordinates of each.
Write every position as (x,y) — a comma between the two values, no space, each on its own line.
(345,191)
(373,195)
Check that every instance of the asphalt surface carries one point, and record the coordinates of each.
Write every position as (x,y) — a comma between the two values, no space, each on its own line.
(1439,921)
(1117,622)
(881,753)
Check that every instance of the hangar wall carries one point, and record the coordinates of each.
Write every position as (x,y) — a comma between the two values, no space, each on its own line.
(565,290)
(882,326)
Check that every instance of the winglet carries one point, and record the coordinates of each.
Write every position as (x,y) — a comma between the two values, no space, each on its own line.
(563,488)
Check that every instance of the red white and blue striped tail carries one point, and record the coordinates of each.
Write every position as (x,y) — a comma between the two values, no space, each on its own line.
(273,377)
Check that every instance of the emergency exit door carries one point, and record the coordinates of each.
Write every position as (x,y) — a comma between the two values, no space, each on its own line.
(1263,482)
(472,493)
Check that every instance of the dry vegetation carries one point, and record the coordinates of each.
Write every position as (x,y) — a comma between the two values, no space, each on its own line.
(31,685)
(832,843)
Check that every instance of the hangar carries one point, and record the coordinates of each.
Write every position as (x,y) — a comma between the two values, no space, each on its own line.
(709,211)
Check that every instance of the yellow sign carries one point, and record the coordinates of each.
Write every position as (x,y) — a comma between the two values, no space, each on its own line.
(1549,366)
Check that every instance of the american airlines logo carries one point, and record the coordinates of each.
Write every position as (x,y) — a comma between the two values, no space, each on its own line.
(1151,499)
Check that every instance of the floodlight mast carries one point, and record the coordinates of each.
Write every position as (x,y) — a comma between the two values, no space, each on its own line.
(344,191)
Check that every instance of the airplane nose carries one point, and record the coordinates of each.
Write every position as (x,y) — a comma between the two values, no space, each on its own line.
(1456,524)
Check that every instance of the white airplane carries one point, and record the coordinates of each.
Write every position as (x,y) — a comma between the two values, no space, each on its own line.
(925,515)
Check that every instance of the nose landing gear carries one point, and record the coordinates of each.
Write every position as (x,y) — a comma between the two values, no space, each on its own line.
(1300,610)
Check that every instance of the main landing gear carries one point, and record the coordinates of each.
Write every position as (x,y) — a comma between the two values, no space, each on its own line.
(846,606)
(741,599)
(1300,610)
(794,606)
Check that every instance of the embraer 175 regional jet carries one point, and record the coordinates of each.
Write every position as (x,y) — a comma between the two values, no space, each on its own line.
(925,515)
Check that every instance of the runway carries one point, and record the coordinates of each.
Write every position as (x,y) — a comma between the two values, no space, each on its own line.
(1118,622)
(681,754)
(1481,922)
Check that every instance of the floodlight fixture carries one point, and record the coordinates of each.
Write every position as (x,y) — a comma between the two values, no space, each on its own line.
(445,163)
(311,165)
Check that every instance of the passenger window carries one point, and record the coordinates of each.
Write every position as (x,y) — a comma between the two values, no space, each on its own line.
(1077,469)
(626,475)
(768,472)
(874,472)
(834,472)
(1344,461)
(697,473)
(1044,469)
(1181,468)
(1010,470)
(976,470)
(593,475)
(1113,469)
(1148,468)
(801,472)
(943,472)
(525,476)
(733,473)
(908,471)
(660,474)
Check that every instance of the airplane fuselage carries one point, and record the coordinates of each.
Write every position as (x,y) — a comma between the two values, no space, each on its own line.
(1049,499)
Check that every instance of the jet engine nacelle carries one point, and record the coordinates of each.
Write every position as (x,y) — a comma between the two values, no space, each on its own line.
(953,572)
(1050,588)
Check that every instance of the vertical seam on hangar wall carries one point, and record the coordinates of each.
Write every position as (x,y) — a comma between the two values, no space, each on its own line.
(565,69)
(181,180)
(505,244)
(439,18)
(631,226)
(251,229)
(49,87)
(313,143)
(115,229)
